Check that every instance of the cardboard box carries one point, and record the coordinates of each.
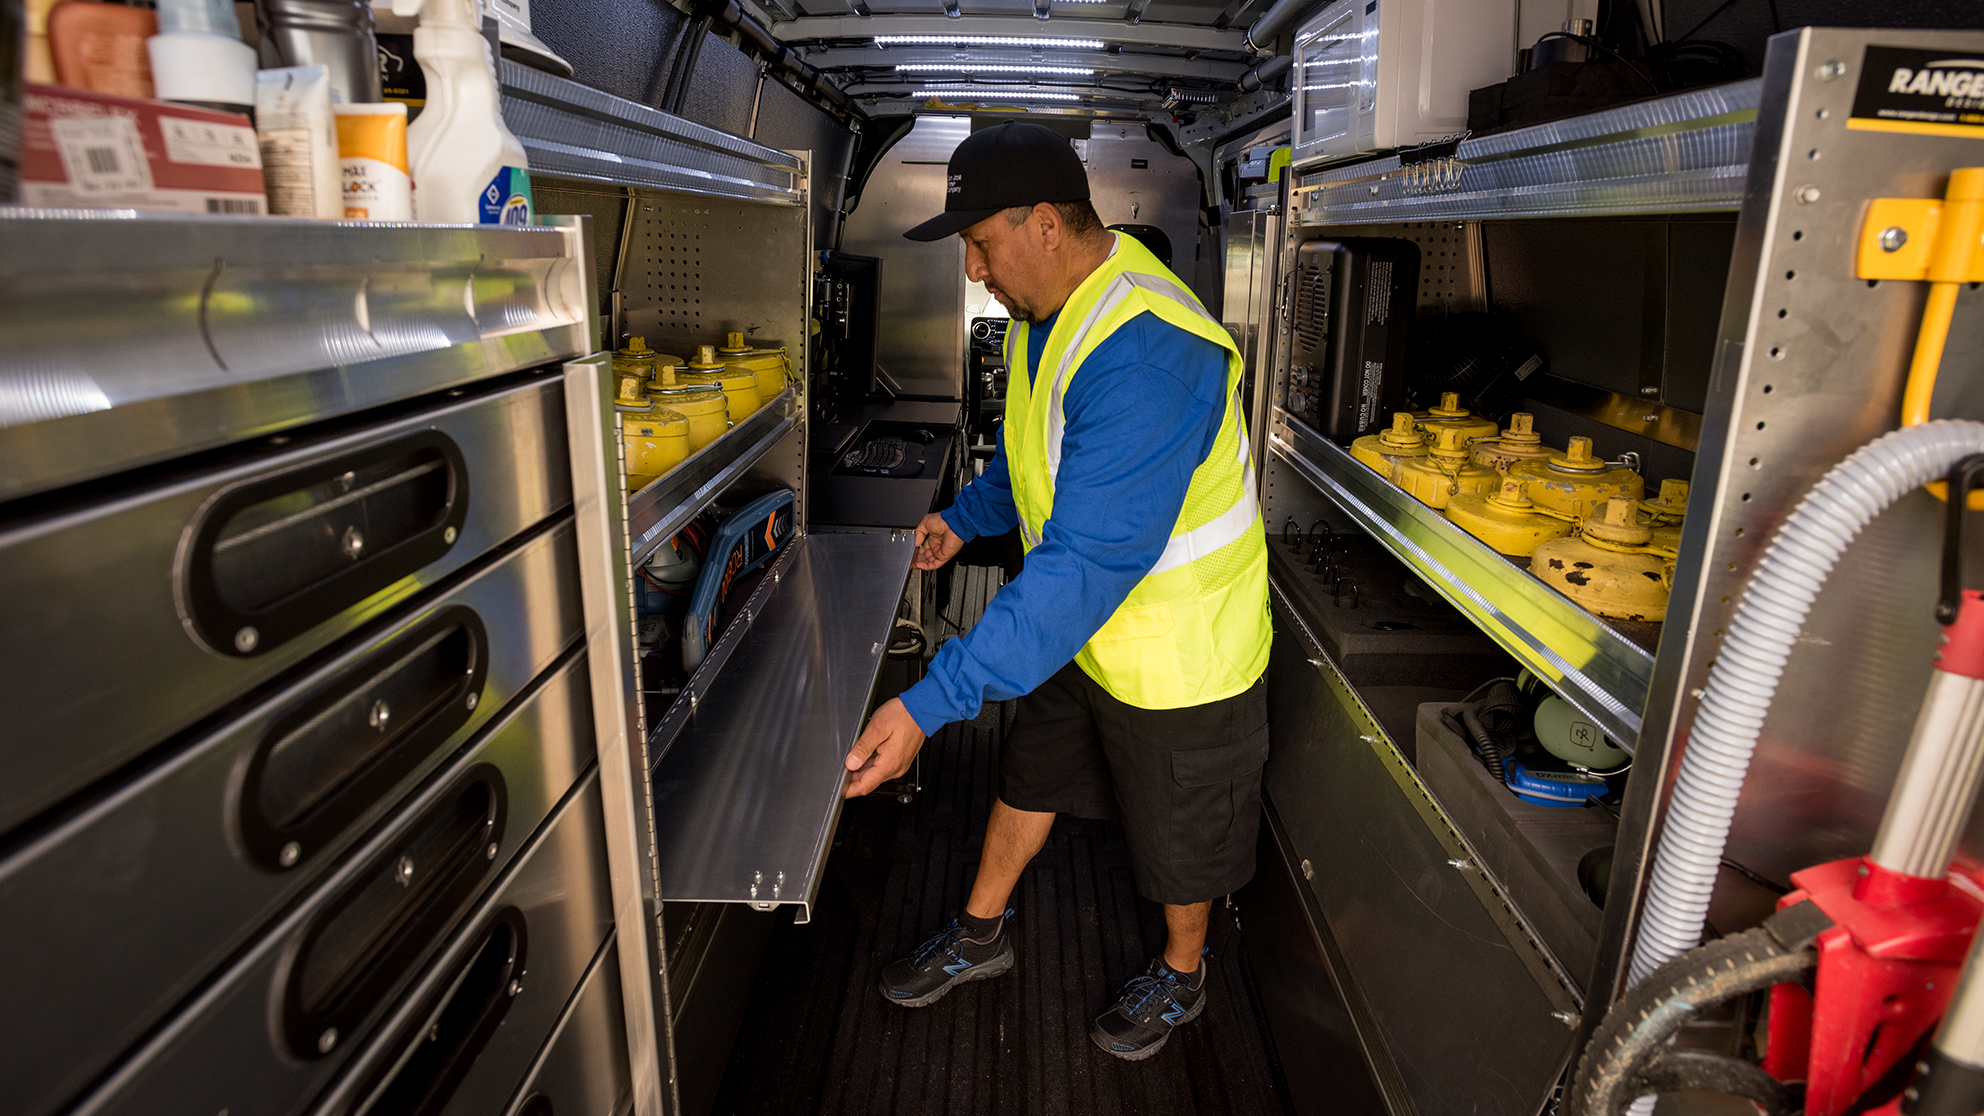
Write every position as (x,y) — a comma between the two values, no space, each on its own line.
(82,150)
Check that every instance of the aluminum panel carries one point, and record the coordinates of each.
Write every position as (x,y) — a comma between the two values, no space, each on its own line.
(1585,660)
(100,653)
(1809,366)
(144,893)
(748,775)
(921,348)
(563,900)
(222,1053)
(128,338)
(583,1066)
(1681,153)
(1442,976)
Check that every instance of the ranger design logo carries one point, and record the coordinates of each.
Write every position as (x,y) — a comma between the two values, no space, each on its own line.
(1924,92)
(956,185)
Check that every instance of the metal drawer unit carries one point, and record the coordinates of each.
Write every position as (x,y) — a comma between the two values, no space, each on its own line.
(582,1070)
(185,862)
(463,1038)
(392,924)
(154,607)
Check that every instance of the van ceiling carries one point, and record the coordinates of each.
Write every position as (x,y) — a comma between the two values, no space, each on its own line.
(1118,58)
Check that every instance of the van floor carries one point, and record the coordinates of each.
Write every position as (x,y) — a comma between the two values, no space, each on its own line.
(819,1038)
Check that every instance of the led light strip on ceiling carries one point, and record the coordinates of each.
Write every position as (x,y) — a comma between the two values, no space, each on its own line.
(993,93)
(988,40)
(989,68)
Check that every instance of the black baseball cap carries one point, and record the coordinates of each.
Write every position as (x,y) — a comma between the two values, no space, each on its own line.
(1011,163)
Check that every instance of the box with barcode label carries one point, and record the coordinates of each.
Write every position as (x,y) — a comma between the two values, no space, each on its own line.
(83,150)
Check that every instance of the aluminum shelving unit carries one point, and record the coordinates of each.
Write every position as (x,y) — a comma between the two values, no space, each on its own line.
(722,805)
(1685,153)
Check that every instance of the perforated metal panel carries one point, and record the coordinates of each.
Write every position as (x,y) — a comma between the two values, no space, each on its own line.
(668,262)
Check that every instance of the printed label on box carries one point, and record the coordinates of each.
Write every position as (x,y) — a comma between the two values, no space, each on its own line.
(209,144)
(103,154)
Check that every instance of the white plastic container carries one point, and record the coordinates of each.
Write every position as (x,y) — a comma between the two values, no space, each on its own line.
(198,57)
(467,166)
(299,142)
(1371,75)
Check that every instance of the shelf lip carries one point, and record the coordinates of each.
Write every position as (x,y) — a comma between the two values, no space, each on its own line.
(749,760)
(1602,673)
(1686,152)
(662,508)
(575,131)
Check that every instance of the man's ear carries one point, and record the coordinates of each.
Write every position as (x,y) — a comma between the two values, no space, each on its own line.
(1050,228)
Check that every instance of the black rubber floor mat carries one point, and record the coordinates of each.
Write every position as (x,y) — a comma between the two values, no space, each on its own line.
(819,1037)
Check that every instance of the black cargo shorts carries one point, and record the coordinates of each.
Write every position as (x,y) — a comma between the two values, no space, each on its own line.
(1185,783)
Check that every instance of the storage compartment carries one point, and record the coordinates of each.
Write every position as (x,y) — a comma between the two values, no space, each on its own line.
(1533,851)
(188,861)
(582,1069)
(126,639)
(332,969)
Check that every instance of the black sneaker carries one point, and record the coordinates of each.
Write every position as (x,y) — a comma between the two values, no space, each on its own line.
(1148,1009)
(949,958)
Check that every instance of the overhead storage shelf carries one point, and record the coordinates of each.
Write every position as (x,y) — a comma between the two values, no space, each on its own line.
(656,512)
(1587,661)
(575,131)
(1687,152)
(749,760)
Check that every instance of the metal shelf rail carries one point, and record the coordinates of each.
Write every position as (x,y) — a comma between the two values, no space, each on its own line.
(657,512)
(1686,152)
(1595,668)
(575,131)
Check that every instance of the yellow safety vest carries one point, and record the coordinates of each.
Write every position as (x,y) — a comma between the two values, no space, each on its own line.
(1196,628)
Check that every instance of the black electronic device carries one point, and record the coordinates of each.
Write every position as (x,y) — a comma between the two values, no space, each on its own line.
(985,378)
(1352,320)
(885,457)
(850,322)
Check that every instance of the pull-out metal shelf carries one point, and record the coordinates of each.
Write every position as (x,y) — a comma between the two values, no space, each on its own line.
(656,512)
(575,131)
(1687,152)
(748,764)
(1591,664)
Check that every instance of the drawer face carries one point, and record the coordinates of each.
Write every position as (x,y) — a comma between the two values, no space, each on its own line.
(133,618)
(287,1018)
(145,893)
(582,1070)
(461,1041)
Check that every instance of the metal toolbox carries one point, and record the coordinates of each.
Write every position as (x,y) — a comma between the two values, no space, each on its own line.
(582,1070)
(465,1036)
(155,607)
(144,893)
(268,1034)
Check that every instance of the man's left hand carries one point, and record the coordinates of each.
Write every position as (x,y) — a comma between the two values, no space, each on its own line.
(884,750)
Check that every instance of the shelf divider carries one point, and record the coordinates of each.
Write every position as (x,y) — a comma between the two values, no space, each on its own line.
(748,774)
(1590,664)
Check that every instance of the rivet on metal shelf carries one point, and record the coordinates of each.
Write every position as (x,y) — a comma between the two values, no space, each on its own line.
(1807,195)
(1827,71)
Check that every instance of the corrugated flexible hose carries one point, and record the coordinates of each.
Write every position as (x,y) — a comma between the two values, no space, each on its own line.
(1751,663)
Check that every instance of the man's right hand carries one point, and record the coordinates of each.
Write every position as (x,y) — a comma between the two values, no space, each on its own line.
(935,544)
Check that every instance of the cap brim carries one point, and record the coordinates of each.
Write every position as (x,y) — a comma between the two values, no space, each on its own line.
(949,224)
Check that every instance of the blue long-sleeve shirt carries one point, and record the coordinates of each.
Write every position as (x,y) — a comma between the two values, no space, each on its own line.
(1142,413)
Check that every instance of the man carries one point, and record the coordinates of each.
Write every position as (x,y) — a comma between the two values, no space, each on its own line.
(1124,462)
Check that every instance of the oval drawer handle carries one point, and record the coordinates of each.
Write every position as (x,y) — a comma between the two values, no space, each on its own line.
(433,1059)
(335,752)
(364,940)
(267,560)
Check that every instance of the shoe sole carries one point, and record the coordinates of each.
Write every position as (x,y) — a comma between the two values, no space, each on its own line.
(996,967)
(1100,1040)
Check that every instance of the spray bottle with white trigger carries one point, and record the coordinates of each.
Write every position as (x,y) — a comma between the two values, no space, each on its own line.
(467,167)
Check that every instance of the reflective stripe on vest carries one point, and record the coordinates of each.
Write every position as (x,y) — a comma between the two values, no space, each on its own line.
(1221,531)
